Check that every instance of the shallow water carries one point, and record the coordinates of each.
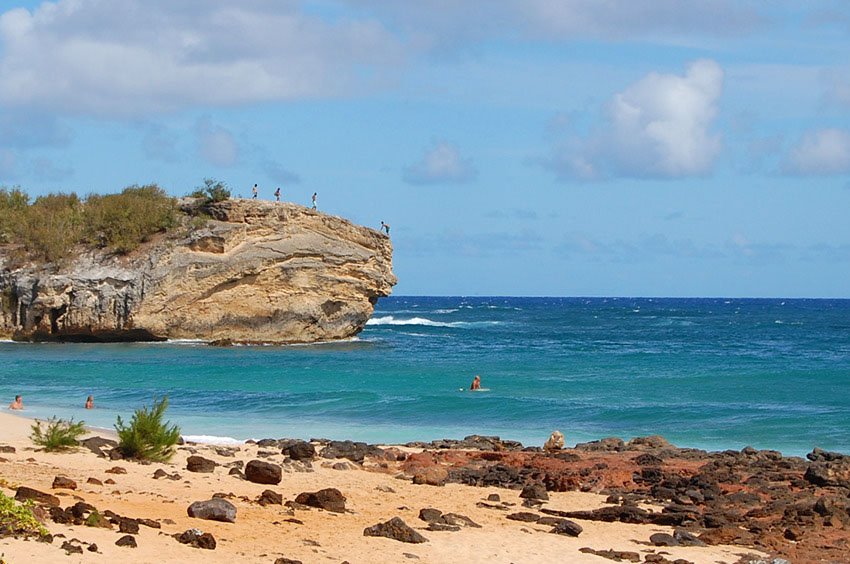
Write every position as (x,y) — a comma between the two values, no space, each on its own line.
(707,373)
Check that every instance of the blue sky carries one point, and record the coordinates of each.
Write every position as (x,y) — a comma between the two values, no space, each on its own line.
(516,147)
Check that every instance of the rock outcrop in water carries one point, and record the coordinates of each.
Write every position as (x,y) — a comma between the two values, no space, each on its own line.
(257,272)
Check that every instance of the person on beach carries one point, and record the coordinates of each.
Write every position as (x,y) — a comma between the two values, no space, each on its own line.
(90,402)
(254,192)
(385,227)
(314,200)
(277,194)
(476,383)
(18,403)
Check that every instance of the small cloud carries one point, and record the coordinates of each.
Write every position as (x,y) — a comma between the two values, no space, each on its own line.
(278,174)
(216,144)
(822,152)
(660,126)
(46,170)
(442,164)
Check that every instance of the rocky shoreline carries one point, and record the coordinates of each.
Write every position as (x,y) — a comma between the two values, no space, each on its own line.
(756,505)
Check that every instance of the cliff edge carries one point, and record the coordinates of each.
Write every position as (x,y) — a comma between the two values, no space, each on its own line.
(257,272)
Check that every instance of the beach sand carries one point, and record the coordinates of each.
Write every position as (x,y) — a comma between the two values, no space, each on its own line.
(262,534)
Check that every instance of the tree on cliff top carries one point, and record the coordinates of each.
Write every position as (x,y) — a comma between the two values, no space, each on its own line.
(212,191)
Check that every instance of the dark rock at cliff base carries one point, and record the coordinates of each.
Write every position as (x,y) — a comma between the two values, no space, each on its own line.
(24,493)
(216,509)
(301,450)
(261,472)
(200,464)
(353,451)
(329,499)
(610,444)
(395,529)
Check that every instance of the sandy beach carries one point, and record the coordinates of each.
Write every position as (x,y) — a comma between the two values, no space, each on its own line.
(374,493)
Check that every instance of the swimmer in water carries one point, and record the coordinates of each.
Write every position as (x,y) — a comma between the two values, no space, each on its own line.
(476,383)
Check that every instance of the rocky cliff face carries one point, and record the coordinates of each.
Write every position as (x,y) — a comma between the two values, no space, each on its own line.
(258,272)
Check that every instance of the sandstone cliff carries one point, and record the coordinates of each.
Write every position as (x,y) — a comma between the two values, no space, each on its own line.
(258,272)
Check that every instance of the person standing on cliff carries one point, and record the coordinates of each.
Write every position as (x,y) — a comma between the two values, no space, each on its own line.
(18,403)
(314,200)
(254,192)
(277,194)
(386,227)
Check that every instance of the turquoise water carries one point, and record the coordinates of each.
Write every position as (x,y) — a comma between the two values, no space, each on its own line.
(706,373)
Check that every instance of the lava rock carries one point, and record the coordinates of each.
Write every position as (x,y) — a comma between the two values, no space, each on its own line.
(534,491)
(128,541)
(269,497)
(663,539)
(301,450)
(24,493)
(200,464)
(261,472)
(214,510)
(395,529)
(567,527)
(197,539)
(61,482)
(524,516)
(329,499)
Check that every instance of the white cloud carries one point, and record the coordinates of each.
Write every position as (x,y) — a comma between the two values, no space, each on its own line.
(442,163)
(821,152)
(660,126)
(216,144)
(132,57)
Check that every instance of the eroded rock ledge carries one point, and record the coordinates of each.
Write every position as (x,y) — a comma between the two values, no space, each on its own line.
(257,272)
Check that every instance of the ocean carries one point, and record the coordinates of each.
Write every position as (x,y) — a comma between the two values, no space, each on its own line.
(705,373)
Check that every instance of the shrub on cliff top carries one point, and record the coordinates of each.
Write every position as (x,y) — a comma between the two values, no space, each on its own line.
(124,221)
(52,225)
(58,435)
(147,437)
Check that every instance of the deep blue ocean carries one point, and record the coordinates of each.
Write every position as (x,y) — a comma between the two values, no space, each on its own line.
(705,373)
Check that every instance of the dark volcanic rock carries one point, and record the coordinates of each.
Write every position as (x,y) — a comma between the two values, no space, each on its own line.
(24,493)
(430,515)
(663,539)
(129,526)
(353,451)
(216,509)
(610,554)
(61,482)
(329,499)
(534,491)
(196,538)
(128,541)
(99,445)
(200,464)
(287,561)
(301,450)
(261,472)
(567,527)
(829,473)
(524,516)
(395,529)
(269,497)
(70,548)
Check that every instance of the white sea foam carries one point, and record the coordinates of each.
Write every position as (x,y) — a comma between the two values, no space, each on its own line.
(423,321)
(212,440)
(390,320)
(445,310)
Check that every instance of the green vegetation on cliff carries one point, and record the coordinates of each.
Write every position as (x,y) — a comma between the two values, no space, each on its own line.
(50,227)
